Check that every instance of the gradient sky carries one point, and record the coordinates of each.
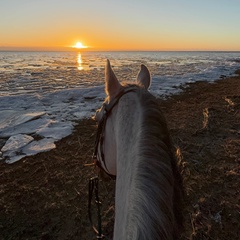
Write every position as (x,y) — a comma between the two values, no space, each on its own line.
(120,25)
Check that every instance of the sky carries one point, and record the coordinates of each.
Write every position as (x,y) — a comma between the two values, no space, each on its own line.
(148,25)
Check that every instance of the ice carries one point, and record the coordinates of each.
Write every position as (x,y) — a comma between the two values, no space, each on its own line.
(48,116)
(81,115)
(16,142)
(11,148)
(42,145)
(51,116)
(29,127)
(32,148)
(14,159)
(12,118)
(56,131)
(43,95)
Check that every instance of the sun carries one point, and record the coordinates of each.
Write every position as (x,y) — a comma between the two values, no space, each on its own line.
(79,45)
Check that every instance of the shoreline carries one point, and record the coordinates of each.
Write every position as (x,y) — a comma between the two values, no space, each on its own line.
(45,196)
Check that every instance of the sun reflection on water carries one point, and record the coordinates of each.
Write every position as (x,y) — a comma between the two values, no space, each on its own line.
(79,61)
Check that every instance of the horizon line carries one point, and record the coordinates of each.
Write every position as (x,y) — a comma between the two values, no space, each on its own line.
(39,49)
(99,49)
(80,51)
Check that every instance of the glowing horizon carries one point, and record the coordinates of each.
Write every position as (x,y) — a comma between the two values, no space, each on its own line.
(154,25)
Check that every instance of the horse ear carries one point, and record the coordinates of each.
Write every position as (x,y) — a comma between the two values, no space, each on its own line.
(112,85)
(144,77)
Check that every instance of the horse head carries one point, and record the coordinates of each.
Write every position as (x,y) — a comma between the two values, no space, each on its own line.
(106,146)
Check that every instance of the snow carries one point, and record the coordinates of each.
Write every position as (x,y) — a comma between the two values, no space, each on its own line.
(48,117)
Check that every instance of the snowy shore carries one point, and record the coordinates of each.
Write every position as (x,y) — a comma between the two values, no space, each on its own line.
(42,95)
(31,123)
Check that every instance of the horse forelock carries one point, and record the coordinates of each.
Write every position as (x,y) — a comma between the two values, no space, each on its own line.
(155,200)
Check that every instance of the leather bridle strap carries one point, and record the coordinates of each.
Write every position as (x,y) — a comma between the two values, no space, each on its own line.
(101,128)
(111,105)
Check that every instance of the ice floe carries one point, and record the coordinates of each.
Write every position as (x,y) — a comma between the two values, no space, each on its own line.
(24,119)
(15,142)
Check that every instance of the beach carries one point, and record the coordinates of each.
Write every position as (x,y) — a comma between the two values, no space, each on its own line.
(46,196)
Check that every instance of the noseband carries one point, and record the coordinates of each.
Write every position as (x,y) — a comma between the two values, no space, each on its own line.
(98,155)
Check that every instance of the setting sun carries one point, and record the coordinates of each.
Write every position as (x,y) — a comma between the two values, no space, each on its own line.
(79,45)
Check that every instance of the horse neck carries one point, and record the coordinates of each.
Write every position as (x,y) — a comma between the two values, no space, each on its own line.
(127,150)
(144,182)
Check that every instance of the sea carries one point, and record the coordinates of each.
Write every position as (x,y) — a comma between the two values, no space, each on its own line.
(43,95)
(41,72)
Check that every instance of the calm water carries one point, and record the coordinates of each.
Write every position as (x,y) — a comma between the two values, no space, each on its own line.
(39,72)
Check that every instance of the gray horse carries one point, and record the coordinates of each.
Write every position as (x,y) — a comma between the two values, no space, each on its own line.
(136,148)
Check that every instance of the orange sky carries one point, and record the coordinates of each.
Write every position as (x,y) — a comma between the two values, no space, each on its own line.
(120,25)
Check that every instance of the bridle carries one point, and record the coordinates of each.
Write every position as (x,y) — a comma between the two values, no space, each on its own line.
(98,155)
(99,158)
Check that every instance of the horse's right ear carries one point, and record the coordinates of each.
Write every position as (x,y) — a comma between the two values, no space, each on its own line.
(144,77)
(112,85)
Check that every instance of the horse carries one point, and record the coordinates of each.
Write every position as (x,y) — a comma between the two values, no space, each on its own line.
(134,145)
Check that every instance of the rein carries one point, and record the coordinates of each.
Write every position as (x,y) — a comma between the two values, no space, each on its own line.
(93,187)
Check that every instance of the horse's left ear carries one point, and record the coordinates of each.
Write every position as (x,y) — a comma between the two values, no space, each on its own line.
(144,77)
(112,85)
